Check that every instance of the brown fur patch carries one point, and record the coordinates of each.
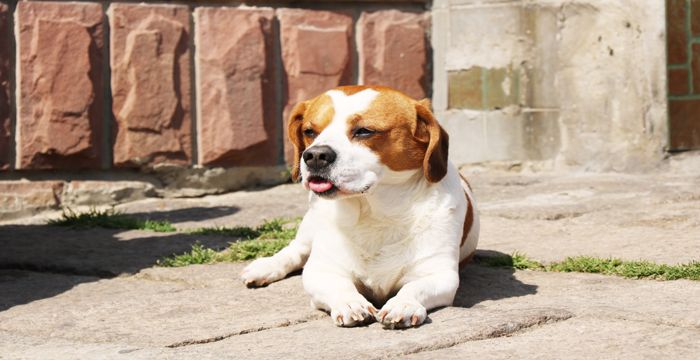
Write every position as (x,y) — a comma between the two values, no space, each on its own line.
(392,115)
(468,220)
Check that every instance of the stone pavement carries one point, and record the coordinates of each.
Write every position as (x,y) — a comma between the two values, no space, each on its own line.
(67,294)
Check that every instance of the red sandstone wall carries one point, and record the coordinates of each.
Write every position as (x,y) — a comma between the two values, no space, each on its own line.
(187,84)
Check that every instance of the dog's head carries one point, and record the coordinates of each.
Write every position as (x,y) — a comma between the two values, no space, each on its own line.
(349,139)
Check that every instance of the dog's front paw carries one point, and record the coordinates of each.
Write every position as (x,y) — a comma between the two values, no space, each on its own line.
(353,313)
(401,313)
(262,272)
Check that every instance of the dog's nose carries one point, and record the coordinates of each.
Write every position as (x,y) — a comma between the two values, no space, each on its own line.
(319,157)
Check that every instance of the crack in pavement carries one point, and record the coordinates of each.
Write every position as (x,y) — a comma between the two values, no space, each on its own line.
(501,330)
(284,324)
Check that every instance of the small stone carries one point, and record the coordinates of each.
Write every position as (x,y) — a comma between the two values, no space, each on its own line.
(60,102)
(150,59)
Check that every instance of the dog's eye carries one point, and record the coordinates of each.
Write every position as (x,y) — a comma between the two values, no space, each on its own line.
(363,133)
(310,133)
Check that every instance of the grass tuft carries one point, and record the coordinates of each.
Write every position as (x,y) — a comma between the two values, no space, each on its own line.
(264,240)
(198,255)
(610,266)
(628,269)
(270,229)
(110,219)
(517,260)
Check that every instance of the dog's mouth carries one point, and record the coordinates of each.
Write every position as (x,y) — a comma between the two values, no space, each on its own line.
(322,186)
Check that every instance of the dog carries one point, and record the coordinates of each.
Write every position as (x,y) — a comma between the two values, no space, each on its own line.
(390,220)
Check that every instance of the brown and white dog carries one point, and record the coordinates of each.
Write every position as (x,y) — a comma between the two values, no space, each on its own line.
(390,219)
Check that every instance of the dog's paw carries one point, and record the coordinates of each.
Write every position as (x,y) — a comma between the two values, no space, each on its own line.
(262,272)
(401,313)
(353,313)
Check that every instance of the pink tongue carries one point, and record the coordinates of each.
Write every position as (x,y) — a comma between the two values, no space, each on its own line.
(320,186)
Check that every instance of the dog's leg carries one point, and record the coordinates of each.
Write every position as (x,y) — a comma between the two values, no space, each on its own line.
(293,257)
(409,306)
(339,296)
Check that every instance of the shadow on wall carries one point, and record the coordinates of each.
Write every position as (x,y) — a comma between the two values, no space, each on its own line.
(61,258)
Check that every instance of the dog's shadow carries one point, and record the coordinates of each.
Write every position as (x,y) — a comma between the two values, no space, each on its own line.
(480,283)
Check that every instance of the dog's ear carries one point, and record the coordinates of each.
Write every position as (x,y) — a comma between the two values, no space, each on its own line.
(296,119)
(435,161)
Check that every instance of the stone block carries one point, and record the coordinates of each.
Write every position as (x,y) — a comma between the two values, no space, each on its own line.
(151,80)
(484,136)
(487,36)
(5,55)
(23,198)
(465,89)
(393,50)
(59,72)
(678,82)
(677,37)
(99,193)
(684,121)
(501,86)
(316,54)
(695,17)
(238,124)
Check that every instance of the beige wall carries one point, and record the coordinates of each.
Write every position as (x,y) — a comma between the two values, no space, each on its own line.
(569,84)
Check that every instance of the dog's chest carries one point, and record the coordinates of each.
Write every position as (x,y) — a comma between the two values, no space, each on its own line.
(381,252)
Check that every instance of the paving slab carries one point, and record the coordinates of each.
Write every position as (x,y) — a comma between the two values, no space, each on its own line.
(202,311)
(157,307)
(582,338)
(549,217)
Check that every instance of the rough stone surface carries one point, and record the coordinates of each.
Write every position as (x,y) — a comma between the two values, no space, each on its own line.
(235,87)
(151,80)
(316,54)
(23,198)
(5,121)
(393,50)
(105,192)
(183,182)
(59,106)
